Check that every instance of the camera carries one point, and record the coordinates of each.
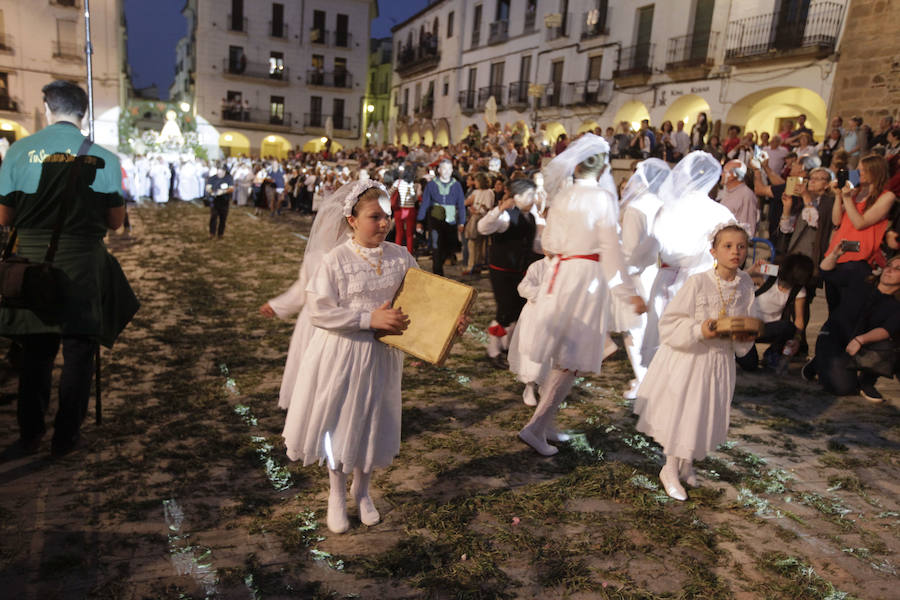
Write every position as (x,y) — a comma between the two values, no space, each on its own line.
(850,246)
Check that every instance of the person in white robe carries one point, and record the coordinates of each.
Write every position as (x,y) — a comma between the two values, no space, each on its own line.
(638,209)
(141,178)
(243,181)
(684,402)
(160,178)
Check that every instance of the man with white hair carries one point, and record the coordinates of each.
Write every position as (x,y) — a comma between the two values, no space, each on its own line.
(737,197)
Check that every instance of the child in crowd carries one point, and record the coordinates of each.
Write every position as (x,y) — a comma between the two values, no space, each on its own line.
(479,202)
(512,228)
(684,402)
(351,416)
(530,373)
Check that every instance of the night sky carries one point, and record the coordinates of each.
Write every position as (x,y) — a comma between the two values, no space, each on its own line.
(154,29)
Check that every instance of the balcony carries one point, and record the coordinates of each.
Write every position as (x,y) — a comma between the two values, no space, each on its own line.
(331,39)
(278,30)
(317,122)
(593,25)
(66,3)
(7,104)
(403,110)
(485,93)
(530,21)
(415,59)
(498,32)
(256,116)
(272,72)
(593,92)
(556,33)
(518,95)
(6,43)
(810,34)
(332,79)
(466,100)
(695,50)
(634,62)
(67,51)
(237,24)
(426,110)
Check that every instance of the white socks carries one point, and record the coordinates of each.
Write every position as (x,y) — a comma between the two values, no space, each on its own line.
(337,502)
(553,392)
(529,396)
(359,490)
(669,478)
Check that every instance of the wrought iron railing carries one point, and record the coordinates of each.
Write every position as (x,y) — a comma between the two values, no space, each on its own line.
(467,100)
(498,32)
(418,57)
(518,93)
(336,79)
(332,39)
(278,30)
(235,24)
(593,24)
(256,115)
(320,121)
(590,92)
(635,60)
(491,90)
(555,33)
(692,50)
(275,71)
(816,27)
(530,20)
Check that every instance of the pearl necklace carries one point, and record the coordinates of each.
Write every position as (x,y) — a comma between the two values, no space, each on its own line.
(723,312)
(377,267)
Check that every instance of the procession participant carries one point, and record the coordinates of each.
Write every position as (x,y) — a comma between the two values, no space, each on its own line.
(243,179)
(682,227)
(639,207)
(160,178)
(684,402)
(219,188)
(530,373)
(96,300)
(572,309)
(443,205)
(512,229)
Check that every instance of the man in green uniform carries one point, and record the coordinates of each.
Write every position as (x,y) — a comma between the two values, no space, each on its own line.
(97,301)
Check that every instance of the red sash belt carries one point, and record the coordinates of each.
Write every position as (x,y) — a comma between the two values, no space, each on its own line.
(503,269)
(593,257)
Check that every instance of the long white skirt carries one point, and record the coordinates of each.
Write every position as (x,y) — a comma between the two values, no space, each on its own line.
(303,331)
(526,370)
(345,407)
(684,402)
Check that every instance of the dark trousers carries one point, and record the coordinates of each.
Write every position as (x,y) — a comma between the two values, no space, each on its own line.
(857,270)
(776,333)
(218,212)
(38,353)
(446,244)
(506,296)
(831,363)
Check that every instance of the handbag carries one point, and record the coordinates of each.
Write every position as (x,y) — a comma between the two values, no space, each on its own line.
(36,286)
(879,358)
(438,212)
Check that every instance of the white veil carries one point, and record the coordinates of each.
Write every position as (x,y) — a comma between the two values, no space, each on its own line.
(697,172)
(649,176)
(563,165)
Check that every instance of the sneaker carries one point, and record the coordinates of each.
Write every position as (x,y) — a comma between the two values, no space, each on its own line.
(808,372)
(868,391)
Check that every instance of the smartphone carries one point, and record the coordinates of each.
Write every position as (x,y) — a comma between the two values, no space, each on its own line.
(843,175)
(792,187)
(849,246)
(769,269)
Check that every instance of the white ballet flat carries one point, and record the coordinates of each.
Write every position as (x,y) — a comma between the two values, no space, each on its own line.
(368,514)
(337,515)
(528,396)
(537,442)
(673,488)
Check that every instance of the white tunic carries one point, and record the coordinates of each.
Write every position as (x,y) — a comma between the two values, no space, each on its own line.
(346,405)
(572,309)
(287,305)
(529,288)
(684,402)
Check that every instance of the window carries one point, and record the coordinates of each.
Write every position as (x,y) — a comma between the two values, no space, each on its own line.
(277,20)
(317,34)
(450,24)
(276,65)
(340,72)
(530,14)
(237,60)
(337,114)
(233,108)
(405,108)
(476,27)
(317,74)
(435,29)
(502,10)
(341,34)
(315,111)
(276,110)
(418,96)
(446,84)
(66,40)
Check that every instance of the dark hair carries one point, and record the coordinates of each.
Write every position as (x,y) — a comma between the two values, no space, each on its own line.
(877,169)
(520,186)
(482,181)
(796,269)
(65,98)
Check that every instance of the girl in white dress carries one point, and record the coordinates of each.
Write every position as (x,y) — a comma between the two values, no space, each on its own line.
(530,373)
(569,331)
(345,403)
(684,401)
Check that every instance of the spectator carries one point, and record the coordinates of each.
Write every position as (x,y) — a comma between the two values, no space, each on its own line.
(682,141)
(714,148)
(744,151)
(737,197)
(777,153)
(787,131)
(698,132)
(804,148)
(829,146)
(853,141)
(801,129)
(732,139)
(561,143)
(884,127)
(867,321)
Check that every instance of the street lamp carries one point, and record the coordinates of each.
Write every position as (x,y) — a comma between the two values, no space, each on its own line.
(184,106)
(370,108)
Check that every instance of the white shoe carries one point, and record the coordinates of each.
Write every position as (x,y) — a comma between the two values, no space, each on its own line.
(631,392)
(539,444)
(528,396)
(673,488)
(368,514)
(337,514)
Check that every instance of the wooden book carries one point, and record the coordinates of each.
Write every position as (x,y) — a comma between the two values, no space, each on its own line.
(729,326)
(434,305)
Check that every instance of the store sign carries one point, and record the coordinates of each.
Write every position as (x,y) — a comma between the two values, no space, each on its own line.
(536,90)
(553,20)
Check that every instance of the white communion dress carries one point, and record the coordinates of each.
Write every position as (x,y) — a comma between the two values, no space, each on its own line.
(529,288)
(287,305)
(572,311)
(684,402)
(345,405)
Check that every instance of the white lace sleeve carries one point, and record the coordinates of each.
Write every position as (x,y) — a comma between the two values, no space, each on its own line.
(324,303)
